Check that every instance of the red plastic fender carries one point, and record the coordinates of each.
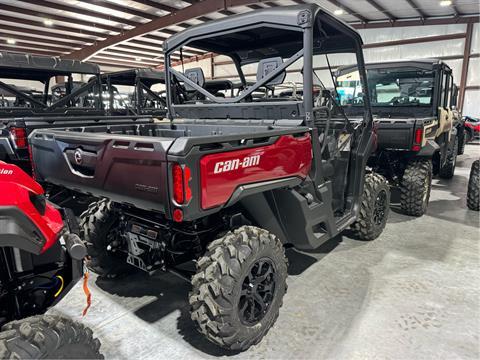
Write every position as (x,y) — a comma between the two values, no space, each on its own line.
(16,189)
(222,173)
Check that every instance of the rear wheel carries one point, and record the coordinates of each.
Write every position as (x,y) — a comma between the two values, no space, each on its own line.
(374,208)
(239,287)
(99,226)
(415,187)
(473,193)
(448,169)
(48,337)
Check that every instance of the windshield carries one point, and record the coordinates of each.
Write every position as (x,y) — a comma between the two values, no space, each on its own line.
(390,87)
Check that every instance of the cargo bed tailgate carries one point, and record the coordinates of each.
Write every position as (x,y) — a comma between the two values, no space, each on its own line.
(128,169)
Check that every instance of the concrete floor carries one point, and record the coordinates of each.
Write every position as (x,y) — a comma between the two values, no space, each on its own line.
(412,293)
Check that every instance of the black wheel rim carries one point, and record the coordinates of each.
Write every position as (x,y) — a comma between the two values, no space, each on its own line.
(380,207)
(257,293)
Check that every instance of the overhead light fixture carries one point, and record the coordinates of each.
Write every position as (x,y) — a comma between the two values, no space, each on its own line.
(339,12)
(47,22)
(11,41)
(445,3)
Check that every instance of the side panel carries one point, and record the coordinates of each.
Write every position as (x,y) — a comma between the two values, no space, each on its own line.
(222,173)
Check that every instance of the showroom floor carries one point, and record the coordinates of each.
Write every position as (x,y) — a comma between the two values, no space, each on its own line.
(412,293)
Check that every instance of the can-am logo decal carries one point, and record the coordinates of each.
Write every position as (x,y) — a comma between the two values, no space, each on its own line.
(6,172)
(235,164)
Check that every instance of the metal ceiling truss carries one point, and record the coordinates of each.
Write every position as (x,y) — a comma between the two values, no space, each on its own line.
(131,34)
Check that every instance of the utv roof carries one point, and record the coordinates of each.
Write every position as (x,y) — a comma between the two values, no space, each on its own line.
(128,77)
(36,67)
(427,64)
(267,33)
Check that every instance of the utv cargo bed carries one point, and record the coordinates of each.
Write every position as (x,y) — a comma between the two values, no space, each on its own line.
(128,163)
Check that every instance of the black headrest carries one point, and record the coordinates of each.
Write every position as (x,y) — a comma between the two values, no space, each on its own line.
(196,75)
(266,66)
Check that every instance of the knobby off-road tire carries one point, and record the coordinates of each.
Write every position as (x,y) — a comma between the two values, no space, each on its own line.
(374,208)
(448,169)
(240,271)
(473,193)
(96,223)
(415,187)
(462,140)
(48,337)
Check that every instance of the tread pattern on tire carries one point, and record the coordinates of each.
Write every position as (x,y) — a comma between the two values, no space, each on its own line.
(448,169)
(364,228)
(219,272)
(473,193)
(412,187)
(48,336)
(94,226)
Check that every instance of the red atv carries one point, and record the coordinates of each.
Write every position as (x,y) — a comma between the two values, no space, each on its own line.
(41,258)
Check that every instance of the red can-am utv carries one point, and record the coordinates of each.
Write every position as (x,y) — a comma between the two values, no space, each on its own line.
(40,260)
(233,177)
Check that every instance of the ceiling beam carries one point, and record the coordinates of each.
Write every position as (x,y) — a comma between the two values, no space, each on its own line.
(77,9)
(127,64)
(40,46)
(156,5)
(19,11)
(192,11)
(115,51)
(30,51)
(42,41)
(380,8)
(416,22)
(417,8)
(52,30)
(143,60)
(348,10)
(58,37)
(121,8)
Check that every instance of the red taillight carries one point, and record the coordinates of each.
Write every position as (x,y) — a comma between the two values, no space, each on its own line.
(178,193)
(182,192)
(417,145)
(19,136)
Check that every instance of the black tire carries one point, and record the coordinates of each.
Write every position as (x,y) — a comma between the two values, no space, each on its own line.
(374,209)
(448,169)
(462,139)
(415,187)
(220,290)
(96,223)
(48,337)
(473,193)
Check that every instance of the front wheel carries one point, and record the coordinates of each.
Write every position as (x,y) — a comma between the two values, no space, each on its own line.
(374,208)
(239,287)
(48,337)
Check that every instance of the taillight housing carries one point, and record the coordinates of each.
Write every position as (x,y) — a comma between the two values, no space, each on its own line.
(417,142)
(19,137)
(182,193)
